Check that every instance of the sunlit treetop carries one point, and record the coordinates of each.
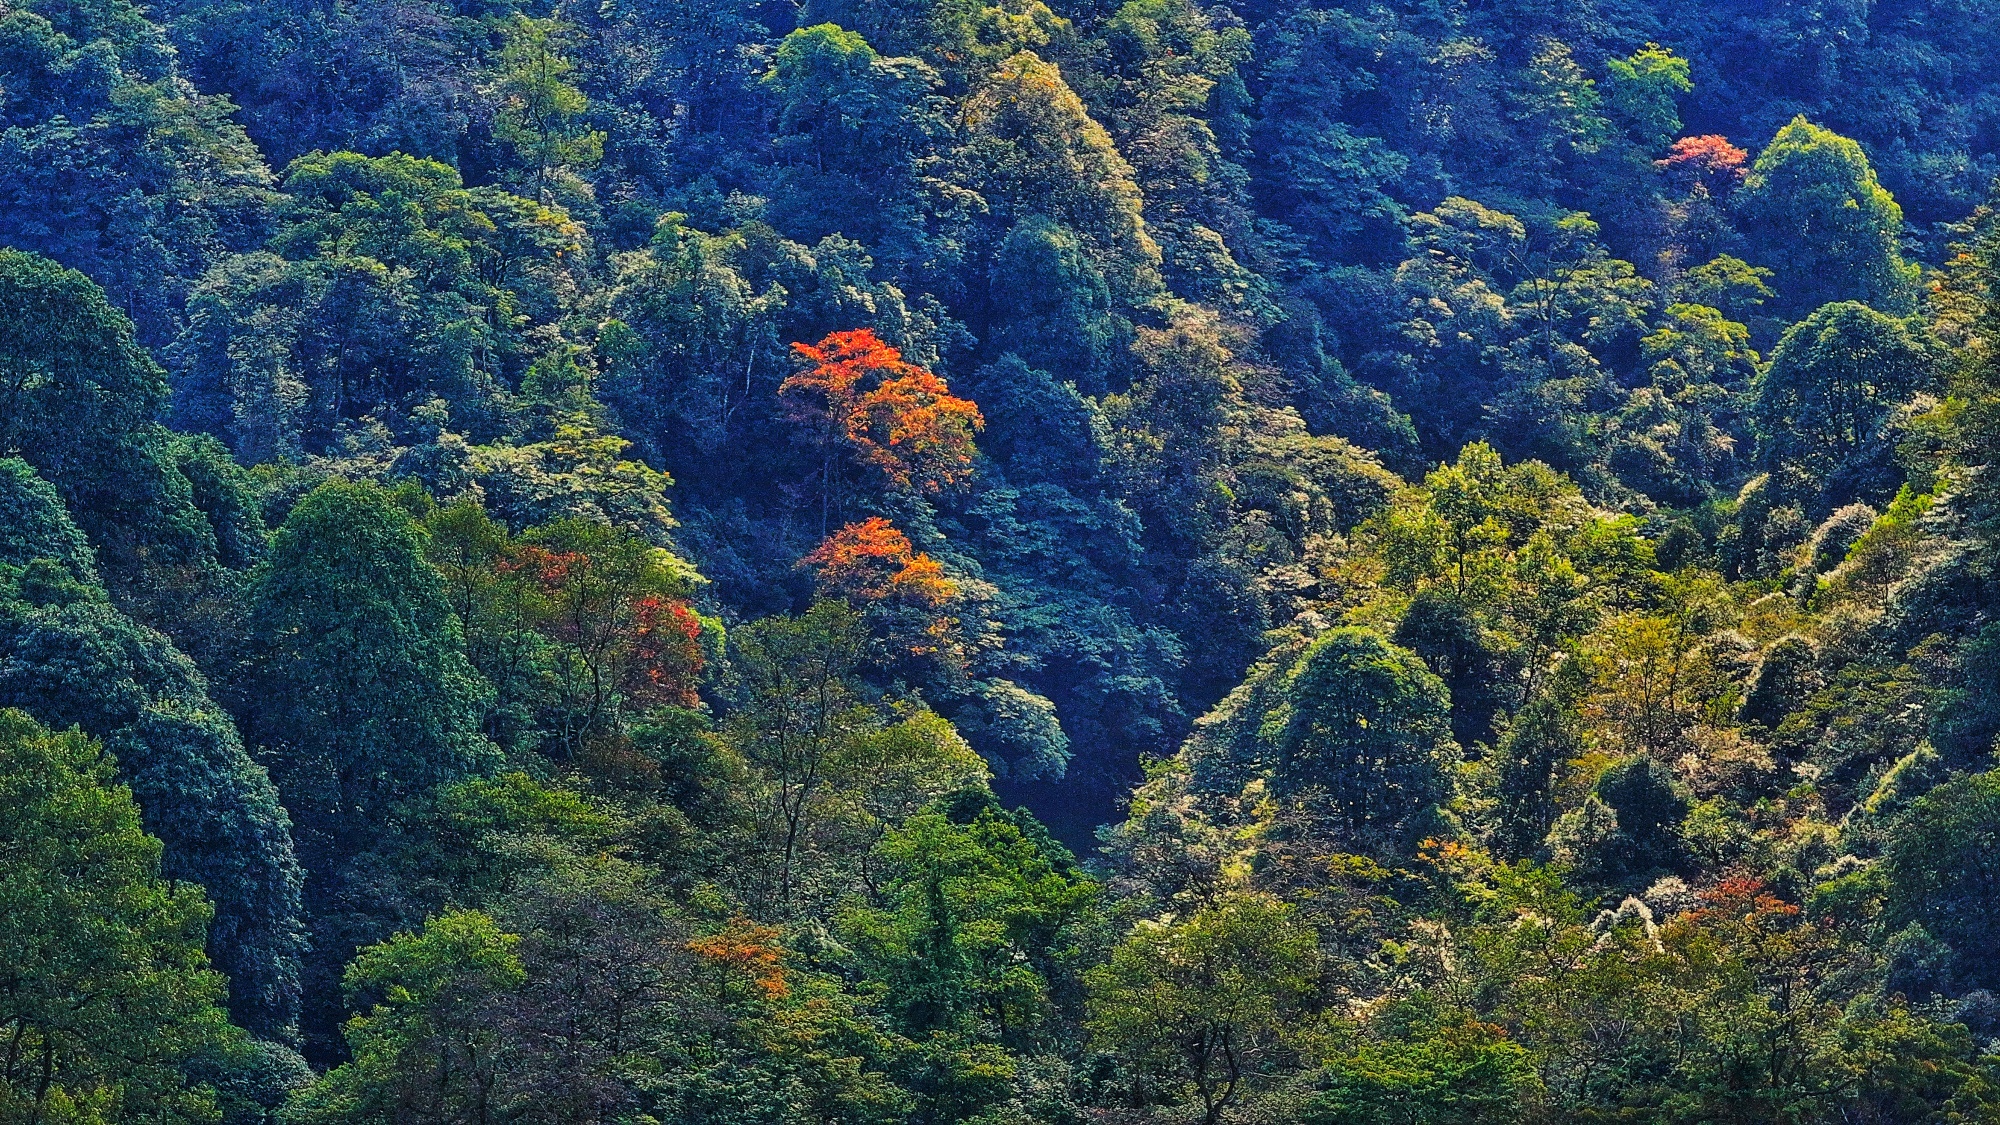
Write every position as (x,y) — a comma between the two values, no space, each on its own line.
(872,561)
(896,418)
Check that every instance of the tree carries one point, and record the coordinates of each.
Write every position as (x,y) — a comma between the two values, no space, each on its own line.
(1204,1004)
(1035,149)
(1541,739)
(615,609)
(871,561)
(114,165)
(1821,405)
(978,919)
(541,110)
(1815,213)
(1170,89)
(1942,871)
(362,692)
(694,343)
(426,1043)
(1468,1073)
(1641,89)
(1709,162)
(71,659)
(1362,734)
(1058,314)
(1728,284)
(104,991)
(1562,113)
(1659,679)
(80,401)
(1334,177)
(388,286)
(360,696)
(895,418)
(800,708)
(855,131)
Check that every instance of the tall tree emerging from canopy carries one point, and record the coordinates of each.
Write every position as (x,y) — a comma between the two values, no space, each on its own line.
(541,110)
(1363,734)
(1816,214)
(362,693)
(801,706)
(104,992)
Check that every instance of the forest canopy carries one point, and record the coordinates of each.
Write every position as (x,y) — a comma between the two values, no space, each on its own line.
(1031,562)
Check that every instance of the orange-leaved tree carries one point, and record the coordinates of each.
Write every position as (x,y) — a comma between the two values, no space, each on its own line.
(746,951)
(858,394)
(871,561)
(903,593)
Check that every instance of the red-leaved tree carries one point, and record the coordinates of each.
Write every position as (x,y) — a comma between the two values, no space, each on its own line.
(871,561)
(1709,161)
(901,422)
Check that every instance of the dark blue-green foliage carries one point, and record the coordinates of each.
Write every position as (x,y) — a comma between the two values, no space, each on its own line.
(70,658)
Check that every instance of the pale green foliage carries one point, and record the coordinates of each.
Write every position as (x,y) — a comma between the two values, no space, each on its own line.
(1642,88)
(542,113)
(1204,1004)
(1818,216)
(419,1043)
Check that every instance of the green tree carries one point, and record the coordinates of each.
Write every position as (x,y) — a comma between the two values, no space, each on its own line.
(69,658)
(801,705)
(542,114)
(387,287)
(1035,149)
(1815,213)
(359,694)
(1203,1005)
(1560,112)
(80,401)
(363,693)
(104,992)
(1821,405)
(426,1045)
(979,918)
(1362,734)
(1942,870)
(1541,738)
(1641,89)
(114,165)
(856,133)
(1467,1073)
(1061,317)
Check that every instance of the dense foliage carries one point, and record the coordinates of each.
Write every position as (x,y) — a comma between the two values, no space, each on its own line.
(918,562)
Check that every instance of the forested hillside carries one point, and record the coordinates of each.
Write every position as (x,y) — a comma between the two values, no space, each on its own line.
(919,562)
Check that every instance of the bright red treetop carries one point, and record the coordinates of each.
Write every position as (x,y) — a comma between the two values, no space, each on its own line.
(1710,161)
(897,417)
(872,561)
